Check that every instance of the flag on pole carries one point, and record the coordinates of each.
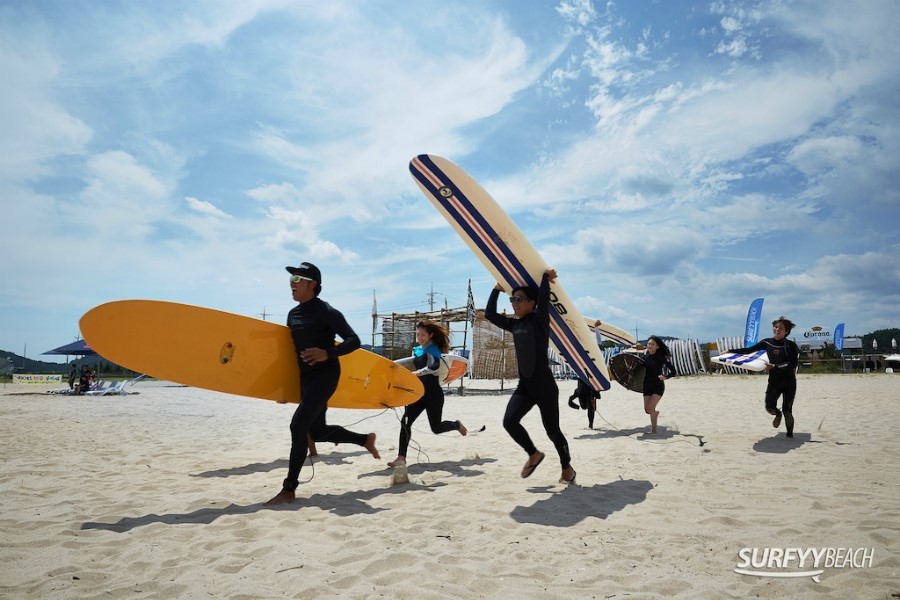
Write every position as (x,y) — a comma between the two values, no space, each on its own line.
(470,306)
(751,330)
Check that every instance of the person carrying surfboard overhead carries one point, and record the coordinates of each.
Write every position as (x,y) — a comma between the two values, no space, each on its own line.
(657,368)
(537,387)
(433,339)
(314,325)
(783,355)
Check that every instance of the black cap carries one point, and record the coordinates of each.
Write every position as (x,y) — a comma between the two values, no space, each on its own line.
(306,270)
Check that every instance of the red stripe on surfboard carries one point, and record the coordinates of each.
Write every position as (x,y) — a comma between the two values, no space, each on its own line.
(484,237)
(573,352)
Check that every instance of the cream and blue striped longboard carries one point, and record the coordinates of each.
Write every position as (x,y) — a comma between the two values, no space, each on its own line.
(755,361)
(509,256)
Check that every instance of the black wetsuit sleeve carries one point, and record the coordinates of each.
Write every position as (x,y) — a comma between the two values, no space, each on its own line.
(349,339)
(490,312)
(761,345)
(668,369)
(793,355)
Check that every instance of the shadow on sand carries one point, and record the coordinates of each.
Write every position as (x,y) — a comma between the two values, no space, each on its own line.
(458,468)
(781,444)
(576,503)
(342,505)
(642,434)
(332,458)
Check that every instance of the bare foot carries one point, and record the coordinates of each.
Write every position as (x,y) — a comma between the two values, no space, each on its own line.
(370,445)
(462,428)
(283,497)
(568,475)
(400,461)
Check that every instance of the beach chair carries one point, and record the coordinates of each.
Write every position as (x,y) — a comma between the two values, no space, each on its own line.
(102,389)
(117,389)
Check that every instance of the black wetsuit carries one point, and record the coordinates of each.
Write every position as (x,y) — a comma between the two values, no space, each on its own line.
(314,324)
(432,401)
(531,336)
(586,396)
(784,358)
(655,365)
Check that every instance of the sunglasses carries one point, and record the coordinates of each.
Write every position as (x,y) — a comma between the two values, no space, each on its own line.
(517,299)
(299,278)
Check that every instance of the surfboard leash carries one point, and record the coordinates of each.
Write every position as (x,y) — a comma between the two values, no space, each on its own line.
(700,443)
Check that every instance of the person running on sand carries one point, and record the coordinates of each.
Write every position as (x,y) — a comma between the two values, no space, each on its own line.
(657,368)
(314,325)
(433,339)
(783,355)
(587,398)
(537,387)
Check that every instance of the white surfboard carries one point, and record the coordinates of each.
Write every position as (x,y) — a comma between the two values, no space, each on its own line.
(755,361)
(509,256)
(453,366)
(610,332)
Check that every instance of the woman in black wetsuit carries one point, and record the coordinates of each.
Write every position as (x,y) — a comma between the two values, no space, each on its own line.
(537,387)
(657,368)
(433,339)
(783,355)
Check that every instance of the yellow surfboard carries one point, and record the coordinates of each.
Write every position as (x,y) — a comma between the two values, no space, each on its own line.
(230,353)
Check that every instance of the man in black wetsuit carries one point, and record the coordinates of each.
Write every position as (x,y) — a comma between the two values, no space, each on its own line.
(537,387)
(783,355)
(314,325)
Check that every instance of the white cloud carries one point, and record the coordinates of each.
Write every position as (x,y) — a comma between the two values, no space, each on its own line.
(36,127)
(655,173)
(579,12)
(206,208)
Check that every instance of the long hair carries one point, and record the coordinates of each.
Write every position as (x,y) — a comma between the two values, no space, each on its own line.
(440,335)
(666,353)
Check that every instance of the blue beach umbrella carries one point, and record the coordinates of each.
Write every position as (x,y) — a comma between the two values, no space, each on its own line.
(79,347)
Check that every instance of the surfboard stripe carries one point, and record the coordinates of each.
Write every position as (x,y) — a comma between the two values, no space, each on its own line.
(491,246)
(474,224)
(614,337)
(740,359)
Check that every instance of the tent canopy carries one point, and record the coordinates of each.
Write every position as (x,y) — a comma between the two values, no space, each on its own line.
(75,348)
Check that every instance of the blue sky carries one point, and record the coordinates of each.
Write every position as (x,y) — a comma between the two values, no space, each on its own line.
(672,160)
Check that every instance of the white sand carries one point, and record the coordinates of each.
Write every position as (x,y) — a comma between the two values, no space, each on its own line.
(158,495)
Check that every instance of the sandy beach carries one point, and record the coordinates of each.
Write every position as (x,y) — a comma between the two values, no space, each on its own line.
(159,495)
